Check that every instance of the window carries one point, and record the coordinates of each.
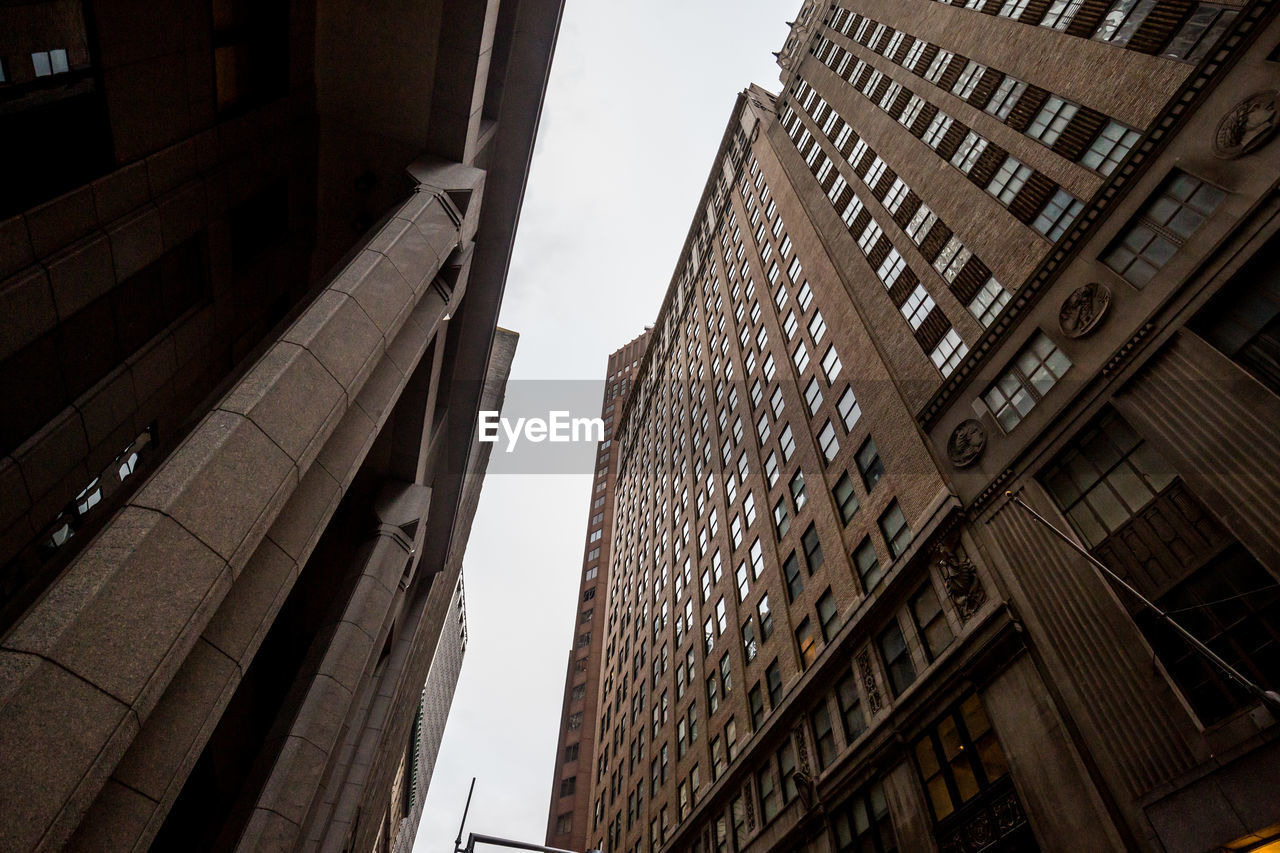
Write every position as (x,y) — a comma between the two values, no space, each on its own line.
(781,518)
(797,490)
(765,617)
(1052,119)
(968,79)
(967,154)
(769,800)
(826,605)
(848,409)
(1008,179)
(1122,20)
(787,770)
(812,549)
(917,306)
(749,646)
(568,786)
(773,680)
(850,702)
(1005,97)
(771,469)
(831,364)
(937,129)
(897,192)
(862,823)
(806,644)
(949,351)
(897,658)
(891,267)
(571,753)
(713,694)
(800,357)
(1110,148)
(869,464)
(913,109)
(868,565)
(897,534)
(1035,370)
(787,443)
(1060,13)
(1162,227)
(920,225)
(846,500)
(1058,215)
(824,737)
(931,623)
(1246,634)
(1200,32)
(828,442)
(959,758)
(817,329)
(1104,477)
(813,396)
(756,703)
(914,55)
(1014,8)
(564,823)
(939,65)
(790,325)
(791,574)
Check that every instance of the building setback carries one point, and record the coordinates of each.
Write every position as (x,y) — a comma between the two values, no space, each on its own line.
(570,811)
(976,259)
(251,260)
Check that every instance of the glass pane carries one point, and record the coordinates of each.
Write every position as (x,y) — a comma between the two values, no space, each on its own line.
(992,757)
(940,797)
(1107,507)
(1130,488)
(927,758)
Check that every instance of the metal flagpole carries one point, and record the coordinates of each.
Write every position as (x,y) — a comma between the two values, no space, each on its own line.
(1269,698)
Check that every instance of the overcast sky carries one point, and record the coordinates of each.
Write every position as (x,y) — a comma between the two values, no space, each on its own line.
(639,97)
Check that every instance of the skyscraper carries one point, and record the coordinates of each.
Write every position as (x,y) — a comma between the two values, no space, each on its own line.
(569,819)
(251,262)
(988,292)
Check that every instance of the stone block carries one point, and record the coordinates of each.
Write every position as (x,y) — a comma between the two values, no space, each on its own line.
(80,274)
(347,446)
(49,455)
(136,242)
(175,733)
(26,303)
(291,398)
(223,484)
(125,611)
(121,192)
(60,222)
(183,212)
(171,167)
(244,616)
(294,778)
(379,394)
(15,245)
(107,405)
(117,819)
(56,726)
(418,254)
(349,652)
(267,830)
(379,288)
(341,336)
(303,519)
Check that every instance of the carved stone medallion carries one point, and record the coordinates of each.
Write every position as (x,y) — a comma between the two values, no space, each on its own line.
(967,443)
(1247,126)
(1084,310)
(961,580)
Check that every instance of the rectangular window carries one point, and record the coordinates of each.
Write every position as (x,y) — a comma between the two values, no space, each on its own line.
(897,658)
(937,129)
(805,642)
(1104,477)
(897,534)
(769,799)
(939,65)
(917,306)
(828,442)
(797,490)
(1201,31)
(756,703)
(862,822)
(781,518)
(912,111)
(1008,179)
(812,549)
(1060,14)
(824,736)
(1179,208)
(850,702)
(1058,214)
(869,464)
(1006,95)
(791,574)
(1014,8)
(1035,370)
(959,757)
(831,364)
(846,500)
(1110,148)
(868,565)
(827,616)
(931,623)
(813,396)
(1052,119)
(949,352)
(765,617)
(848,409)
(988,302)
(968,79)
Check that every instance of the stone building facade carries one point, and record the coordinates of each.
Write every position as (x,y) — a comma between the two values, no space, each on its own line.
(569,818)
(977,259)
(251,260)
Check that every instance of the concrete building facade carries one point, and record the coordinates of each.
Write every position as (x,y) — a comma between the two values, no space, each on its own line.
(569,817)
(976,259)
(251,261)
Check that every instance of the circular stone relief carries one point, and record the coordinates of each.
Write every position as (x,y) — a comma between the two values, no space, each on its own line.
(1084,309)
(967,443)
(1247,126)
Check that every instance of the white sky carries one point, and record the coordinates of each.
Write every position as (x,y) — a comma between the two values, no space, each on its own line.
(639,97)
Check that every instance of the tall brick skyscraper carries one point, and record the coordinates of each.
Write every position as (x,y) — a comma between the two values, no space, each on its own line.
(978,259)
(569,820)
(252,254)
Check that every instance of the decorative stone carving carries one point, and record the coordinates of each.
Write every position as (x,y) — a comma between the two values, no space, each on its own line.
(749,798)
(869,681)
(793,50)
(961,580)
(967,443)
(802,749)
(1084,310)
(1248,126)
